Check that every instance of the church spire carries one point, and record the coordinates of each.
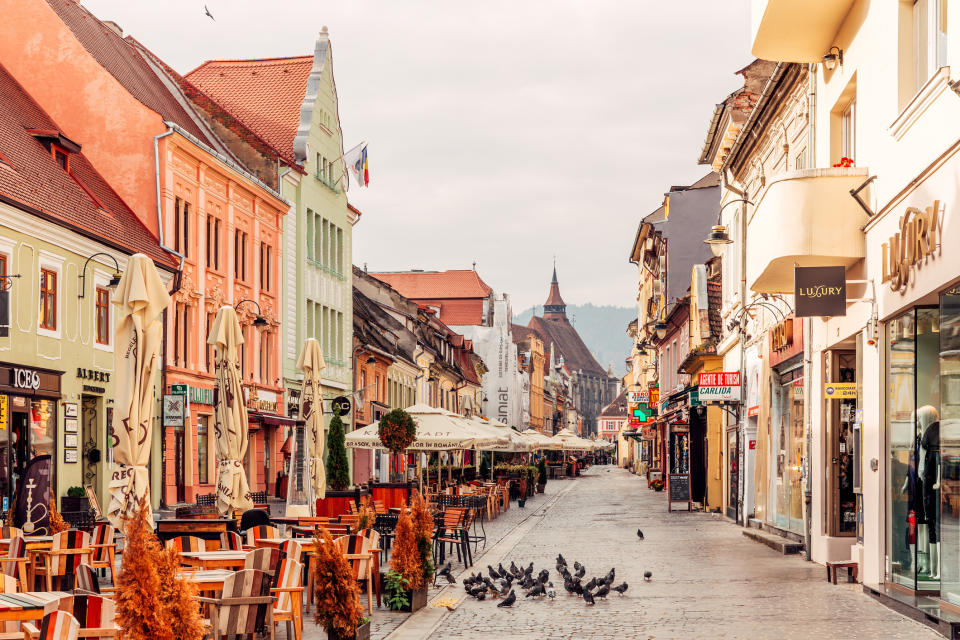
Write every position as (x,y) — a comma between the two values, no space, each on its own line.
(554,308)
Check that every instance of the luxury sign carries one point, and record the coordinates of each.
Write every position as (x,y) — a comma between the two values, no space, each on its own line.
(721,386)
(911,245)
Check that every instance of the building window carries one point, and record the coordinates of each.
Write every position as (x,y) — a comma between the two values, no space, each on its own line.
(310,252)
(61,157)
(213,243)
(203,449)
(181,334)
(266,258)
(48,299)
(240,255)
(848,131)
(103,316)
(265,358)
(181,226)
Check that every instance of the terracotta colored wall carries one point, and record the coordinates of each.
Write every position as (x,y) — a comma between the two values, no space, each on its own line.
(115,130)
(454,312)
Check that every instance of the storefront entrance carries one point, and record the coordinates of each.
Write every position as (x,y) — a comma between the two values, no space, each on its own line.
(733,475)
(841,516)
(788,446)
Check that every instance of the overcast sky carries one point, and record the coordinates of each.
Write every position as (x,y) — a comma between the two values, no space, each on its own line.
(501,132)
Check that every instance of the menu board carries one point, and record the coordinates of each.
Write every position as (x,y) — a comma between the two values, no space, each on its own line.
(679,487)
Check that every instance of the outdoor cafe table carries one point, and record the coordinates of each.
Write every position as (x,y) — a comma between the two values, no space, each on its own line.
(207,579)
(214,559)
(35,544)
(32,605)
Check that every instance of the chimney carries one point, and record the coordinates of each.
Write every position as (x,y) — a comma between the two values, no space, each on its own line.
(117,29)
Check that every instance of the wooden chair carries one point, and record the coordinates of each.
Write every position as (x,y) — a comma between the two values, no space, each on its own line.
(264,559)
(9,630)
(379,506)
(104,549)
(356,549)
(292,549)
(7,531)
(454,530)
(186,543)
(96,616)
(244,608)
(87,581)
(15,562)
(289,591)
(56,625)
(261,531)
(231,540)
(68,550)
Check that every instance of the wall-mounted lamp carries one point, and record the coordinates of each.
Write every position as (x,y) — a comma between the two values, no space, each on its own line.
(831,60)
(114,280)
(718,234)
(259,321)
(661,329)
(431,379)
(371,360)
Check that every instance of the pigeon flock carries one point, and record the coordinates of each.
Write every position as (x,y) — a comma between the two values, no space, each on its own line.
(506,581)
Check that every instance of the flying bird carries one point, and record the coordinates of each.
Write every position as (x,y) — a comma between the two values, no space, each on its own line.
(509,600)
(640,534)
(208,14)
(647,575)
(621,588)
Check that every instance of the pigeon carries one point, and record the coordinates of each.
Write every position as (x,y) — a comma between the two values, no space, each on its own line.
(640,534)
(590,585)
(647,575)
(536,591)
(505,585)
(501,570)
(577,566)
(481,596)
(602,591)
(543,576)
(445,572)
(529,570)
(551,592)
(581,571)
(208,14)
(561,560)
(509,600)
(588,597)
(493,573)
(528,582)
(513,568)
(578,588)
(621,588)
(608,580)
(568,585)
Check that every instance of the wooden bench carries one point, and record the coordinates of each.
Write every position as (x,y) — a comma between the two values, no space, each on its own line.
(852,570)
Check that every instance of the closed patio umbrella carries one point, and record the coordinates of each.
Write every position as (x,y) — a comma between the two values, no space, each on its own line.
(230,425)
(311,411)
(140,299)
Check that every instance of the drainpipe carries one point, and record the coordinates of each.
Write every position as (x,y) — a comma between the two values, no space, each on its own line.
(808,333)
(177,282)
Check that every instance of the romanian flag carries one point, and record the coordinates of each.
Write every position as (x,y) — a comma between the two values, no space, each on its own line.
(356,159)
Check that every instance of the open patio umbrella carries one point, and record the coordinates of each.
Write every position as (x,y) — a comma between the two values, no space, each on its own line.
(540,441)
(569,441)
(230,414)
(509,441)
(140,299)
(311,411)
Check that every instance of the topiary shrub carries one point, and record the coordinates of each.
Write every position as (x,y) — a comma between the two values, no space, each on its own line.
(338,469)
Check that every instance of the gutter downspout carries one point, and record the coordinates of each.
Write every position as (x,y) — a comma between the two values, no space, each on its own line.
(808,335)
(177,283)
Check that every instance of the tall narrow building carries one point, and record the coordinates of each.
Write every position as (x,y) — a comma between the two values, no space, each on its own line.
(593,387)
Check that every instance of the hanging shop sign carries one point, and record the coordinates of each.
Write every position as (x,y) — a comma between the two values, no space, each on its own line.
(909,247)
(839,390)
(343,402)
(719,386)
(781,336)
(174,409)
(3,413)
(820,291)
(636,397)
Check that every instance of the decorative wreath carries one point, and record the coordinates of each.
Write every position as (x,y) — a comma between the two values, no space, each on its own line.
(397,430)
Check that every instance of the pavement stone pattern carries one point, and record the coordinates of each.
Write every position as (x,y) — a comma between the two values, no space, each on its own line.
(708,580)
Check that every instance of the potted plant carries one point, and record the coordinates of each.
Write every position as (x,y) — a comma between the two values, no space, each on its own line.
(336,593)
(657,485)
(338,469)
(542,475)
(75,500)
(411,561)
(365,515)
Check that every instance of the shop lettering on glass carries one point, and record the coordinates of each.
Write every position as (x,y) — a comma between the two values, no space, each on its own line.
(26,379)
(911,245)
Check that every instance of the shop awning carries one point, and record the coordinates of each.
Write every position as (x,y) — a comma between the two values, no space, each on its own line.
(271,419)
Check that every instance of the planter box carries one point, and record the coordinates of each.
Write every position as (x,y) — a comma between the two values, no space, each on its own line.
(418,600)
(363,633)
(74,504)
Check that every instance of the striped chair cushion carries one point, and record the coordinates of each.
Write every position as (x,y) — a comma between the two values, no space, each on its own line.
(86,579)
(186,543)
(102,534)
(264,559)
(94,612)
(7,531)
(292,549)
(59,625)
(355,545)
(240,619)
(290,575)
(261,531)
(231,540)
(17,549)
(66,565)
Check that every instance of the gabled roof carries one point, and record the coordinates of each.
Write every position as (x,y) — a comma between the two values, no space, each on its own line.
(436,285)
(561,333)
(124,62)
(617,408)
(81,200)
(264,94)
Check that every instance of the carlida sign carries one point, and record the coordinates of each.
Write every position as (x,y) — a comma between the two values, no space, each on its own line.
(720,386)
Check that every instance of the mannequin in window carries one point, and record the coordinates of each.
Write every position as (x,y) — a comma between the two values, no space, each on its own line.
(928,475)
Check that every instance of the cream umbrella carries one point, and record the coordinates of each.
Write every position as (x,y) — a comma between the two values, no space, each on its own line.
(311,411)
(509,441)
(140,299)
(540,441)
(230,414)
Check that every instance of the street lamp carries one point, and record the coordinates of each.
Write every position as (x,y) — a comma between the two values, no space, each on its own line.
(831,59)
(114,280)
(718,236)
(661,330)
(259,321)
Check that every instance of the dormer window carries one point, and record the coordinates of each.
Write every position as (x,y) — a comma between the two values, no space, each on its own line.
(61,156)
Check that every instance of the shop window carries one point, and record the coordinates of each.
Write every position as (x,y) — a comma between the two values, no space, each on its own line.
(48,299)
(203,449)
(103,316)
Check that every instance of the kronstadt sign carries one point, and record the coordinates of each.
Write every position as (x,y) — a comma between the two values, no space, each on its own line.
(910,246)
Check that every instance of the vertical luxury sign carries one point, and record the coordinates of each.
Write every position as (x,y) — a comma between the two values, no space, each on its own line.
(911,245)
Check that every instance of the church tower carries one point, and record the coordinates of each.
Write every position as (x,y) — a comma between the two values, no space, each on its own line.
(554,308)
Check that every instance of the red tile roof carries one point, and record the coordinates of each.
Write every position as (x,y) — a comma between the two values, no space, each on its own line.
(466,366)
(264,94)
(124,62)
(437,285)
(31,180)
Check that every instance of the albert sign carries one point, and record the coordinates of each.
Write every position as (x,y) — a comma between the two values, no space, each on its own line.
(720,386)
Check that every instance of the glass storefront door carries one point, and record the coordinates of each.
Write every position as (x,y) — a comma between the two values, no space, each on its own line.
(788,447)
(950,446)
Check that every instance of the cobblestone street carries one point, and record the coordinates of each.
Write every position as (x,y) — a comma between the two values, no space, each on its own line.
(708,580)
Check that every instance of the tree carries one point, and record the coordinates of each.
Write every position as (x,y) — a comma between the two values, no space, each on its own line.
(338,469)
(140,611)
(335,589)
